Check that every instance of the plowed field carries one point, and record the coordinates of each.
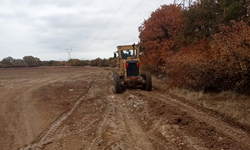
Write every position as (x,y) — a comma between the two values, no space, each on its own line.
(64,108)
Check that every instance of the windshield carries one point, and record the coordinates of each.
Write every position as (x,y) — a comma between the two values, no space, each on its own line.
(128,53)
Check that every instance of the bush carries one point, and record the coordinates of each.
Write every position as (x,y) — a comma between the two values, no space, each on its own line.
(222,64)
(205,47)
(74,62)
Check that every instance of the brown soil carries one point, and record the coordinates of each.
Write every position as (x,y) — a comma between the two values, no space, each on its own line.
(76,108)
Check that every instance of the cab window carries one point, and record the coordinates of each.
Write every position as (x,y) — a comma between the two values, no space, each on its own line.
(128,53)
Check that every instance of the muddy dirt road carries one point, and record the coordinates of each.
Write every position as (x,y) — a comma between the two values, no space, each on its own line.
(75,108)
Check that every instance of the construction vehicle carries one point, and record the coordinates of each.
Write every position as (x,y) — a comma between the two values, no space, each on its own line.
(129,71)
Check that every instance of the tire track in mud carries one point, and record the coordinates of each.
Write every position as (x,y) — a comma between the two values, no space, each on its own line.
(86,134)
(234,133)
(118,130)
(154,137)
(26,121)
(107,120)
(108,126)
(136,132)
(47,136)
(25,96)
(136,138)
(102,125)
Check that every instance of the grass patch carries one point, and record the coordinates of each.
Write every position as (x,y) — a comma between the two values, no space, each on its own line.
(227,103)
(158,84)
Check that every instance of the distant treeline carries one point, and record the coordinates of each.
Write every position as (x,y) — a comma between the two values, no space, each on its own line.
(30,61)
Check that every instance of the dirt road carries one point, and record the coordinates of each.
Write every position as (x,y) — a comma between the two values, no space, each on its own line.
(75,108)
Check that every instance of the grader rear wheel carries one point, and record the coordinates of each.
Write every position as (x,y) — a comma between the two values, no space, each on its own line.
(148,85)
(117,84)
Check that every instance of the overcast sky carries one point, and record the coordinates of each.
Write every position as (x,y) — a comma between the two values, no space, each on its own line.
(91,28)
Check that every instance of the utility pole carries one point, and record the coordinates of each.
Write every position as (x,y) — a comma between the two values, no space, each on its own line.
(69,50)
(184,3)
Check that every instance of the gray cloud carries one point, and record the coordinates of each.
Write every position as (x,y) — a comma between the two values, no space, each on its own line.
(61,3)
(44,28)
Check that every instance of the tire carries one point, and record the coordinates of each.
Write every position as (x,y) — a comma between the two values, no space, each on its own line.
(144,85)
(148,86)
(117,85)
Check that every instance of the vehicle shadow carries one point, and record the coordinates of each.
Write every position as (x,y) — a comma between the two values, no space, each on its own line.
(125,88)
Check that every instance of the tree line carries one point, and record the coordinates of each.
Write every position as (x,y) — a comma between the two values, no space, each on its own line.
(31,61)
(204,47)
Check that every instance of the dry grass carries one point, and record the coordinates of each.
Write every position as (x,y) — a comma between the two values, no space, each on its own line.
(158,84)
(227,103)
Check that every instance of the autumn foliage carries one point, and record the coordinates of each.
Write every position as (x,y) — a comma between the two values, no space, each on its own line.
(157,35)
(205,47)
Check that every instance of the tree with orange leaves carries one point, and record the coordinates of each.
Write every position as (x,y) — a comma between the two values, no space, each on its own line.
(157,35)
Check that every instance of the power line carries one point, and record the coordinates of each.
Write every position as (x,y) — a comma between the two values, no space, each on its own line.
(139,20)
(184,3)
(106,23)
(121,23)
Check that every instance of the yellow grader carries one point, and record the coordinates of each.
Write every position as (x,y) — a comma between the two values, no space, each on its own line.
(129,71)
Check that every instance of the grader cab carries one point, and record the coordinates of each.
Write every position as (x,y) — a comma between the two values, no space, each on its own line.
(129,71)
